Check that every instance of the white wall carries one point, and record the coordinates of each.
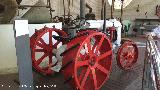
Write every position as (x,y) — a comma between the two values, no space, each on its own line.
(8,58)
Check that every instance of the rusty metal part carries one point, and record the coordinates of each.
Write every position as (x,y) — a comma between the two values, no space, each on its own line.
(87,66)
(42,46)
(127,54)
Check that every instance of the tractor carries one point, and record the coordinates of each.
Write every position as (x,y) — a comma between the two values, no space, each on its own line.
(83,55)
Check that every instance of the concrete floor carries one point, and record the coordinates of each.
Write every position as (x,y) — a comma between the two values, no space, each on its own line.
(119,79)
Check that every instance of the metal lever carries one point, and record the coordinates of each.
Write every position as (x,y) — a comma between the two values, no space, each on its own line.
(61,38)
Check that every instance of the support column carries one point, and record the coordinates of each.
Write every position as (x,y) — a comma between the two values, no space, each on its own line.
(82,9)
(104,24)
(22,44)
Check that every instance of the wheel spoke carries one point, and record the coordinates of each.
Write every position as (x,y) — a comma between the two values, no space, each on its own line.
(125,62)
(42,41)
(128,63)
(82,63)
(41,45)
(129,49)
(89,47)
(94,78)
(132,50)
(50,59)
(82,74)
(50,38)
(39,50)
(51,46)
(56,44)
(94,48)
(104,55)
(124,54)
(45,68)
(41,59)
(99,44)
(104,70)
(122,59)
(81,56)
(85,77)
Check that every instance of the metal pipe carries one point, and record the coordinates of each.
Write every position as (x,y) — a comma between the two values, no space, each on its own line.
(50,10)
(64,9)
(82,9)
(122,11)
(89,7)
(69,8)
(104,24)
(112,9)
(47,6)
(102,10)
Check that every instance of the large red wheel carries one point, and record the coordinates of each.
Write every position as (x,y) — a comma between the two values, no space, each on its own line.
(87,61)
(127,55)
(43,46)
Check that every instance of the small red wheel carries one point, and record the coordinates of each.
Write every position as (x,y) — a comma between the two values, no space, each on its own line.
(43,46)
(87,61)
(127,55)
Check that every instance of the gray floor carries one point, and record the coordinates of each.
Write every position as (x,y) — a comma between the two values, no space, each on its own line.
(119,79)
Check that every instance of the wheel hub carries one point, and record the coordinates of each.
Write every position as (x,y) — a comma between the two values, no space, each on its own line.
(92,61)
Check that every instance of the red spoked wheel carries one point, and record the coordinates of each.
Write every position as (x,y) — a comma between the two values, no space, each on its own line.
(87,61)
(127,55)
(43,49)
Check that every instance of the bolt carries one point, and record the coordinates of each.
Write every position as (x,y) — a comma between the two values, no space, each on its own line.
(45,26)
(54,26)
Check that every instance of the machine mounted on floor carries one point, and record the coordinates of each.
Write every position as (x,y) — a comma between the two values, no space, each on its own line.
(84,58)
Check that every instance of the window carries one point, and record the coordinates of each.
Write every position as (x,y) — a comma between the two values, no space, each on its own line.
(118,3)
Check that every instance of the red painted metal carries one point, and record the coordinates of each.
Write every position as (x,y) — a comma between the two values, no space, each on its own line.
(111,32)
(41,51)
(89,62)
(127,55)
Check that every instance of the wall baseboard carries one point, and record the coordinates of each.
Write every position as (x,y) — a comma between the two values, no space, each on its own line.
(9,70)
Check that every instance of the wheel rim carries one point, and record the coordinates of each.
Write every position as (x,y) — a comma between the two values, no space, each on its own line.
(127,55)
(92,62)
(42,46)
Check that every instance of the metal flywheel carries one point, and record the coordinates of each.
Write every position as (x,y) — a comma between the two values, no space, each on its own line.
(127,54)
(87,60)
(43,50)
